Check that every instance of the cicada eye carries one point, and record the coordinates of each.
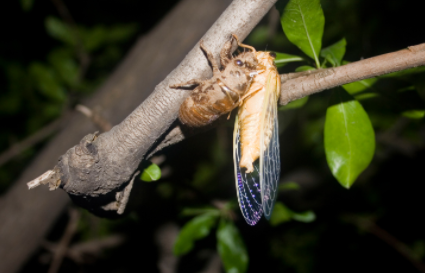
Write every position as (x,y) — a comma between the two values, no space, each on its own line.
(273,55)
(239,63)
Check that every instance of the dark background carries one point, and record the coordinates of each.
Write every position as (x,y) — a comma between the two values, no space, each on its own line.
(360,229)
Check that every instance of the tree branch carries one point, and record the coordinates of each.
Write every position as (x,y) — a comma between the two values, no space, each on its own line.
(96,172)
(108,161)
(301,84)
(26,216)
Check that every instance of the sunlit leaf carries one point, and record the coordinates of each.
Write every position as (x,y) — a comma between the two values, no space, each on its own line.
(283,58)
(334,53)
(197,228)
(359,86)
(303,22)
(231,248)
(349,138)
(294,104)
(414,114)
(151,173)
(280,214)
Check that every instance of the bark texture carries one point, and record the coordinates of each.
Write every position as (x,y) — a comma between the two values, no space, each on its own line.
(26,216)
(96,173)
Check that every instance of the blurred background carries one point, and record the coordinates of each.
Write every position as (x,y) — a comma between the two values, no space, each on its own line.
(55,55)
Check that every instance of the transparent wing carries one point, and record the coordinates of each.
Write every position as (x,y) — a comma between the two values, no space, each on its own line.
(269,145)
(247,184)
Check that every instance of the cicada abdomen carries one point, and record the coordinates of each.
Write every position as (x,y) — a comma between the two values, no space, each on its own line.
(223,92)
(256,143)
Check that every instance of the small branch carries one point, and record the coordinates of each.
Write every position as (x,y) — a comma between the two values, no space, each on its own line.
(62,248)
(39,180)
(32,140)
(96,118)
(320,80)
(385,236)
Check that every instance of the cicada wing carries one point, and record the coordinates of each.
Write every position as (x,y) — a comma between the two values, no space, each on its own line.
(269,145)
(247,184)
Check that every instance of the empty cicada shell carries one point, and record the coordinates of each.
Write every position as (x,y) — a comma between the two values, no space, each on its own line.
(256,143)
(224,91)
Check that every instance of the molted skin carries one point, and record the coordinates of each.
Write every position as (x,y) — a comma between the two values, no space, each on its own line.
(223,92)
(251,109)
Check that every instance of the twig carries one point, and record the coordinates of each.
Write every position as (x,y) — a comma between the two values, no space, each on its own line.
(32,140)
(96,118)
(61,250)
(392,241)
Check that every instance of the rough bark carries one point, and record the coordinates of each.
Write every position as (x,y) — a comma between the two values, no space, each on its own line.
(26,216)
(96,173)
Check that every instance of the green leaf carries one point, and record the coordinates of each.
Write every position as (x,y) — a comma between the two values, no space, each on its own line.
(305,217)
(197,228)
(303,23)
(283,58)
(365,96)
(414,114)
(280,214)
(294,104)
(335,52)
(406,72)
(120,33)
(304,68)
(94,38)
(349,138)
(359,86)
(65,65)
(151,173)
(231,248)
(61,31)
(47,81)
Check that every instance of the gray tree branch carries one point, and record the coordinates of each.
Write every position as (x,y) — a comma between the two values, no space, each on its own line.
(26,216)
(97,171)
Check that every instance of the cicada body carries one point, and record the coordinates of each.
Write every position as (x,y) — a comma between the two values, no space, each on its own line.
(223,92)
(256,143)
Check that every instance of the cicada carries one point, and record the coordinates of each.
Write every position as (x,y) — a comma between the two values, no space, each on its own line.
(224,91)
(256,142)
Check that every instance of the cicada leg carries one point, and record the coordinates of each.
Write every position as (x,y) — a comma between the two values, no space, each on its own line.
(188,83)
(211,59)
(243,45)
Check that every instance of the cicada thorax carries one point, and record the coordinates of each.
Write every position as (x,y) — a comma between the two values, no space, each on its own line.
(223,92)
(252,108)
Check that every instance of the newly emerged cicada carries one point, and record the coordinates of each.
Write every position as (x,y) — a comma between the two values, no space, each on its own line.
(224,91)
(256,143)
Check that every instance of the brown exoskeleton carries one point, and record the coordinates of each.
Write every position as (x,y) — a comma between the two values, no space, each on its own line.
(224,91)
